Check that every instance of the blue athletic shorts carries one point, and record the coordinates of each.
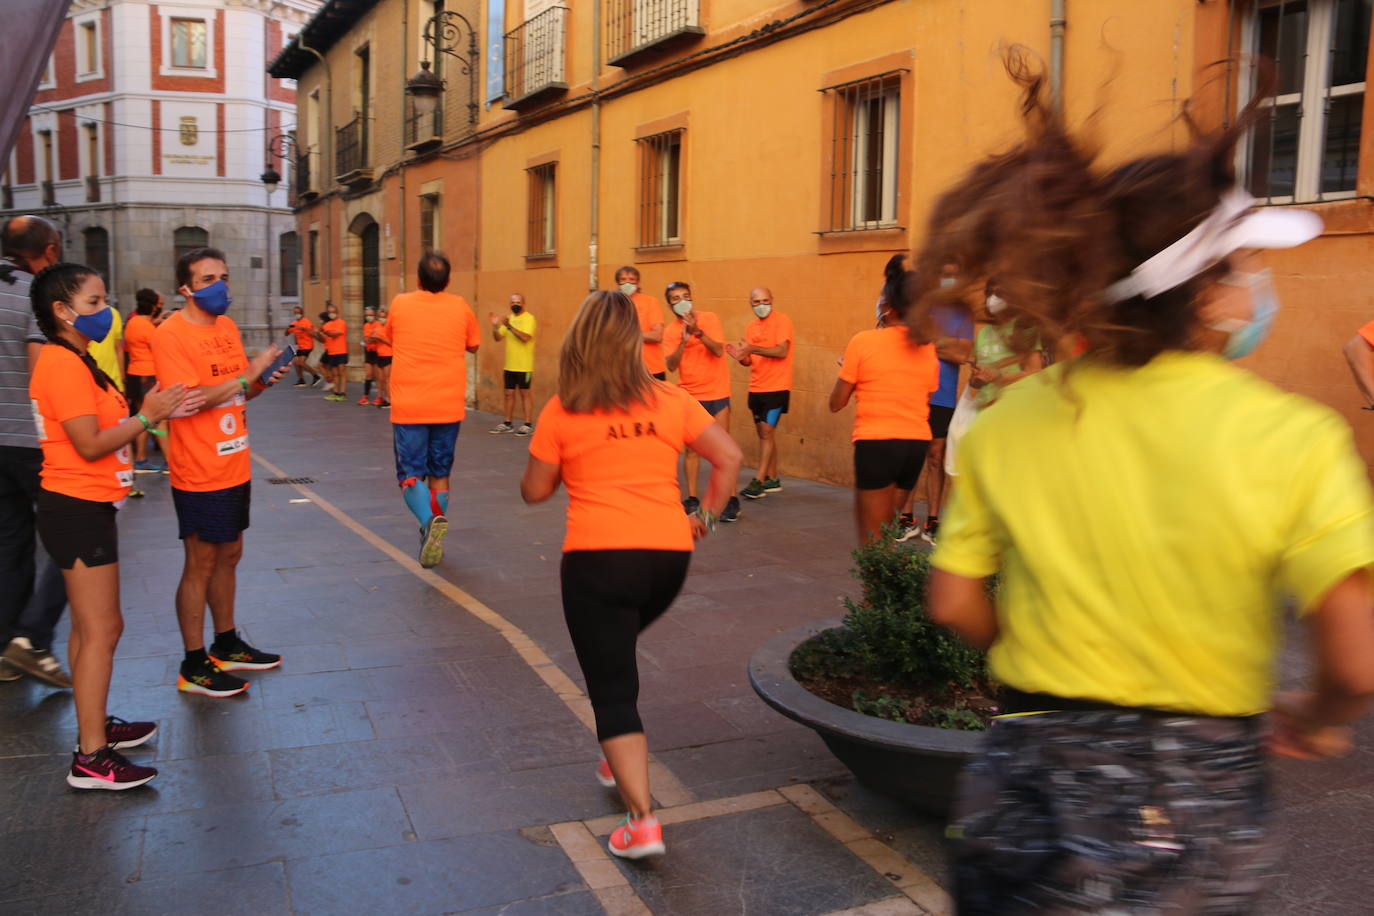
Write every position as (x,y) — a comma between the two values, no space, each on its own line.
(424,449)
(214,516)
(716,406)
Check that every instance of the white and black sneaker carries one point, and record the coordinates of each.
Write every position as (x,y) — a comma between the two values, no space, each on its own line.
(502,427)
(40,663)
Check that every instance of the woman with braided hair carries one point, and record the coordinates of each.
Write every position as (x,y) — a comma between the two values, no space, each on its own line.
(1149,506)
(85,430)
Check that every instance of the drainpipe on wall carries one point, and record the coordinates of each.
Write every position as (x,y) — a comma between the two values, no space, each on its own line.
(329,119)
(401,257)
(1057,23)
(596,147)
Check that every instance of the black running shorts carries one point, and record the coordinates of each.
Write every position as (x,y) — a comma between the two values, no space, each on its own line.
(77,529)
(880,463)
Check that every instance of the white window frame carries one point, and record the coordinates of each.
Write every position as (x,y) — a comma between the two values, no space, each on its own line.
(891,114)
(1311,101)
(86,126)
(167,68)
(49,79)
(87,70)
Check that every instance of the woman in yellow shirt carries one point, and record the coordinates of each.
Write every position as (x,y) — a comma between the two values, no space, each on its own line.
(1167,504)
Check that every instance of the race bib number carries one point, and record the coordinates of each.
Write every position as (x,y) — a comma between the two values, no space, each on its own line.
(125,478)
(38,420)
(230,446)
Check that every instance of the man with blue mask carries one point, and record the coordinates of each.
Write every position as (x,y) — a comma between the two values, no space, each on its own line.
(208,456)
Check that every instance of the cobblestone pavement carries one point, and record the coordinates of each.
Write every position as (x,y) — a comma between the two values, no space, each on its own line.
(424,747)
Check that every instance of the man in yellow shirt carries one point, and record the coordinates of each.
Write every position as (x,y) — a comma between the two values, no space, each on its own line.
(517,330)
(109,353)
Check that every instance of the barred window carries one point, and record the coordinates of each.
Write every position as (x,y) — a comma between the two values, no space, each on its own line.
(429,222)
(864,141)
(313,252)
(543,210)
(289,250)
(660,189)
(1308,147)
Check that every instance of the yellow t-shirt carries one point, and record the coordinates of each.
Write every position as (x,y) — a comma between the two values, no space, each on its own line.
(105,354)
(1145,533)
(519,353)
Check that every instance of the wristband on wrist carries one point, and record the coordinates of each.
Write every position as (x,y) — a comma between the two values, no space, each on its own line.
(244,383)
(708,518)
(148,427)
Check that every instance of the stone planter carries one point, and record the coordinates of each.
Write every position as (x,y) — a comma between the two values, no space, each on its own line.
(914,763)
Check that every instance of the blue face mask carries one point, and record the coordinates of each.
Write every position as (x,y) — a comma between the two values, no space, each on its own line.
(95,326)
(1244,337)
(214,298)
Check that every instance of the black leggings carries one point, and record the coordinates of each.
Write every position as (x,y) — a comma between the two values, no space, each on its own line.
(609,597)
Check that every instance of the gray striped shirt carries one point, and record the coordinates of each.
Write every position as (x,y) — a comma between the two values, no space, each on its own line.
(18,328)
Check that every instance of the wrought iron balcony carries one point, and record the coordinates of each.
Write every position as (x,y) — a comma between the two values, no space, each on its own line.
(424,131)
(351,165)
(92,189)
(638,29)
(535,58)
(49,194)
(301,179)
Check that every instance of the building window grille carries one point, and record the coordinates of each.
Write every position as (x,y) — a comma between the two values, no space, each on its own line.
(350,147)
(535,55)
(633,26)
(429,222)
(189,238)
(660,189)
(97,244)
(188,43)
(543,210)
(289,249)
(1307,146)
(313,253)
(864,144)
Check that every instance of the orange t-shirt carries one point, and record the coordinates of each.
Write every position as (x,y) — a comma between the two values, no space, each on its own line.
(383,348)
(430,334)
(336,346)
(770,373)
(1367,332)
(208,451)
(138,343)
(704,375)
(650,314)
(304,330)
(620,468)
(893,379)
(62,389)
(370,328)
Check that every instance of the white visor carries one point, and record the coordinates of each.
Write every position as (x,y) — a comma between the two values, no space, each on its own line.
(1228,228)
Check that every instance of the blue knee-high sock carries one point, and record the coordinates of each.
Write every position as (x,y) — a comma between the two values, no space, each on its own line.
(416,494)
(441,496)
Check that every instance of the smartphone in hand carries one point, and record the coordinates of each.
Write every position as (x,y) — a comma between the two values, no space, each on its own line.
(288,353)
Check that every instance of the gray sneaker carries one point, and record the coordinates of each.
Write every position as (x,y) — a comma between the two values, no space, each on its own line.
(524,430)
(502,427)
(40,663)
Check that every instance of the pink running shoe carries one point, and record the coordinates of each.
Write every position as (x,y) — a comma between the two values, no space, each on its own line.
(106,769)
(121,734)
(604,775)
(634,839)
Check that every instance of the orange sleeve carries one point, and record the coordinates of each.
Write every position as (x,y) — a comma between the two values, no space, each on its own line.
(70,390)
(544,444)
(711,326)
(695,418)
(1367,332)
(172,363)
(672,334)
(785,332)
(474,332)
(853,356)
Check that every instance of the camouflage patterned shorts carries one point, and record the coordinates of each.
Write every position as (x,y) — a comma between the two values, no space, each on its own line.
(1113,812)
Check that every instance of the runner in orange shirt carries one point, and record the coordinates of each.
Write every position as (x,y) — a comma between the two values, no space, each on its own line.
(431,332)
(385,354)
(303,330)
(208,453)
(139,375)
(370,328)
(612,436)
(85,429)
(333,333)
(891,378)
(767,350)
(694,348)
(650,320)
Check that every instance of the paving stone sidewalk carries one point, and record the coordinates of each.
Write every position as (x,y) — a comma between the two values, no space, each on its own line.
(407,758)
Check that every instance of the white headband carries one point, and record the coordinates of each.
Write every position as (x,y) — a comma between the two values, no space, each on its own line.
(1228,228)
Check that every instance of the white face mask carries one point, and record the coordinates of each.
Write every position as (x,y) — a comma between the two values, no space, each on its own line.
(996,303)
(629,289)
(947,282)
(763,310)
(682,307)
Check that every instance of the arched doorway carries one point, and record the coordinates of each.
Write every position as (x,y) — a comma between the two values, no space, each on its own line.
(362,278)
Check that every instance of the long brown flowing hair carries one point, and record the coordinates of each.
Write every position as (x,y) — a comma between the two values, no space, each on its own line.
(601,365)
(1055,230)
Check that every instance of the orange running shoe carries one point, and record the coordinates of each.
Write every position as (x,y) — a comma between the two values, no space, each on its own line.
(634,839)
(377,401)
(364,400)
(604,775)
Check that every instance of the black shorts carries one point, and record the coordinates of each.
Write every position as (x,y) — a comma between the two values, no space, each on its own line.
(77,529)
(304,354)
(135,387)
(214,516)
(334,359)
(769,406)
(518,380)
(880,463)
(370,357)
(939,421)
(384,361)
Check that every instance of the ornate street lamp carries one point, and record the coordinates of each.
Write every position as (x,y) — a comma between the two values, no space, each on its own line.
(282,146)
(444,32)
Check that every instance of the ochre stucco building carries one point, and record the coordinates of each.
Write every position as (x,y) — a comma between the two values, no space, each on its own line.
(794,145)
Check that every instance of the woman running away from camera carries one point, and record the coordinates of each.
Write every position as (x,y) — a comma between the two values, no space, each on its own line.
(612,436)
(1170,504)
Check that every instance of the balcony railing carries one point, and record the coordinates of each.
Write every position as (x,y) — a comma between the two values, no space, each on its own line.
(92,189)
(350,153)
(635,29)
(49,194)
(535,56)
(301,182)
(424,132)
